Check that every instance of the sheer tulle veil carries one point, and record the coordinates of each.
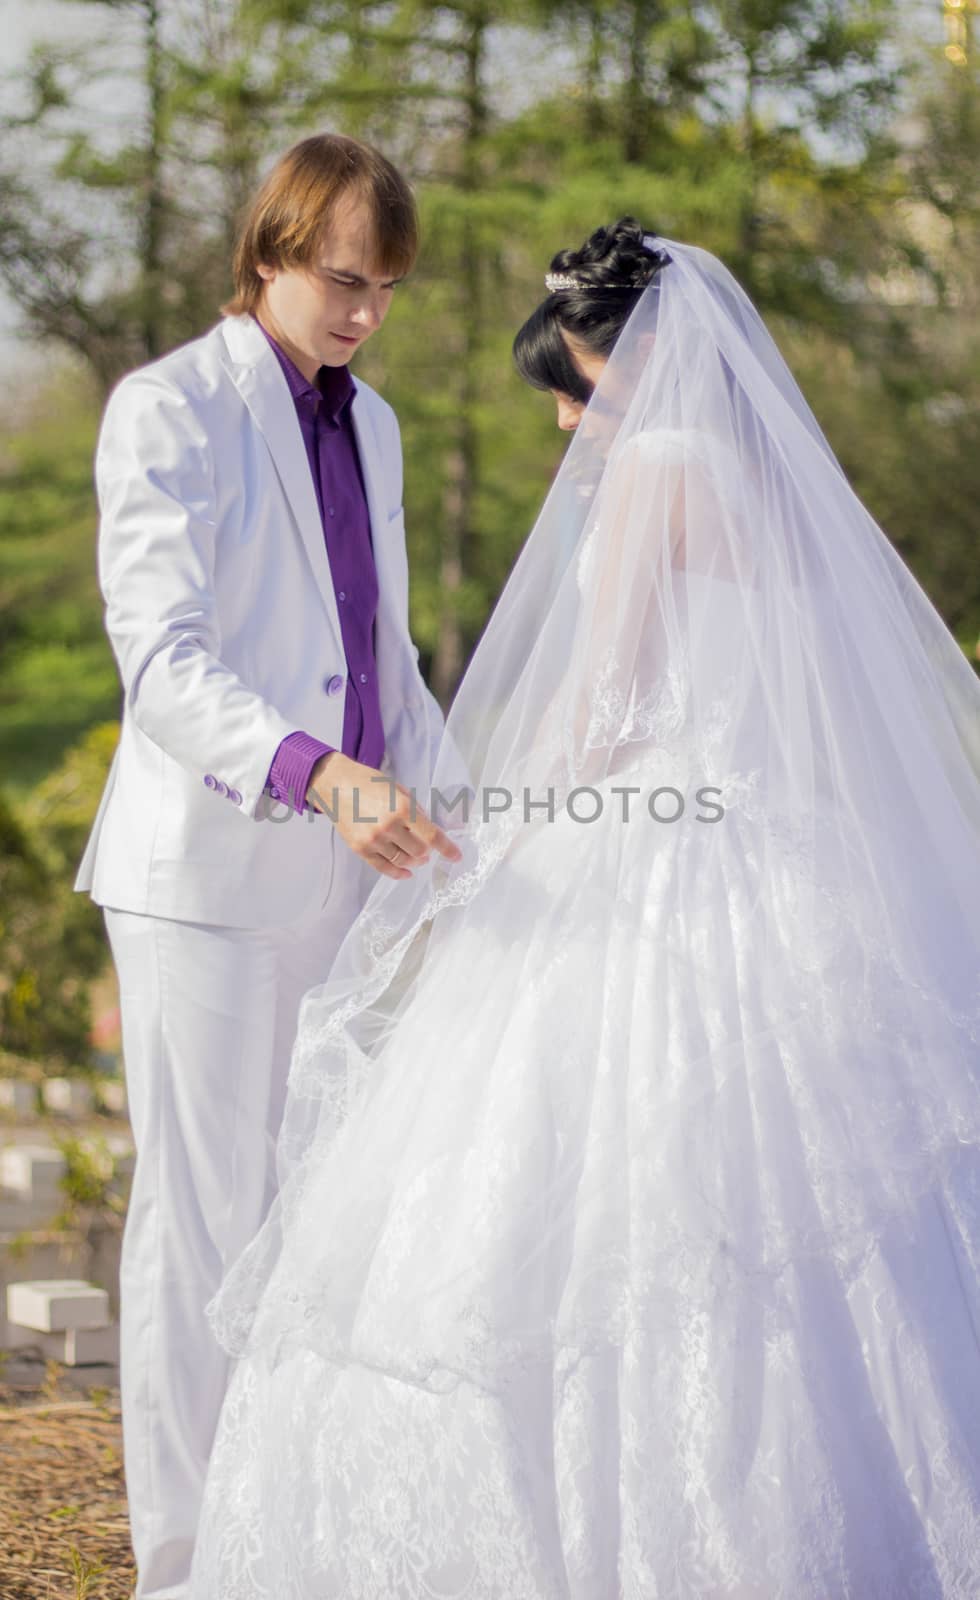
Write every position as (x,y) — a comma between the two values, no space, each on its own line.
(712,672)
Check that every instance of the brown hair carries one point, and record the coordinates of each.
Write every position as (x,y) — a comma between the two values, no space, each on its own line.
(284,222)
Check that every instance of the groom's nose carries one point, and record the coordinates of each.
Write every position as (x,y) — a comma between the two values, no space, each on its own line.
(369,313)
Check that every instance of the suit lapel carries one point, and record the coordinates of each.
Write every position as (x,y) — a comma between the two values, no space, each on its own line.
(371,469)
(263,388)
(391,640)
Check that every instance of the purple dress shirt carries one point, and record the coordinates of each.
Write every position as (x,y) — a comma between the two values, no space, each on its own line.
(323,410)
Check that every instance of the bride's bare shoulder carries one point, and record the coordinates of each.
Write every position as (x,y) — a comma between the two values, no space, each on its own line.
(673,444)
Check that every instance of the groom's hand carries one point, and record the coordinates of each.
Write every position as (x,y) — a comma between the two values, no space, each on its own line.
(378,819)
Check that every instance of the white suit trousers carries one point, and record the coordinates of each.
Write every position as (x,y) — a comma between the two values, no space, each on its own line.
(208,1019)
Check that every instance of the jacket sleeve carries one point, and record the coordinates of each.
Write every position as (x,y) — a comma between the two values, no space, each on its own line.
(156,563)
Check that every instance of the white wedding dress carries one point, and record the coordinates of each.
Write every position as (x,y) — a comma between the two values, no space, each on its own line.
(809,1433)
(636,1251)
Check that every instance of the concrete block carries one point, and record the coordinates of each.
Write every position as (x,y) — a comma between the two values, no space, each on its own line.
(82,1347)
(32,1171)
(17,1095)
(52,1305)
(71,1097)
(17,1337)
(42,1255)
(112,1095)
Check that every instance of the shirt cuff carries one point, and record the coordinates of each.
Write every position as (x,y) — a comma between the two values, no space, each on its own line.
(292,766)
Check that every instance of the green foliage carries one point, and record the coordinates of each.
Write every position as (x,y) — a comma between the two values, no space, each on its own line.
(767,134)
(85,1574)
(51,939)
(57,674)
(94,1187)
(774,136)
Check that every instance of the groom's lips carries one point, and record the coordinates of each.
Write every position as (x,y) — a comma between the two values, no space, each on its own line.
(345,339)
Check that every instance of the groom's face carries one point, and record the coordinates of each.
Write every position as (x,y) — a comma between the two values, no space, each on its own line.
(322,313)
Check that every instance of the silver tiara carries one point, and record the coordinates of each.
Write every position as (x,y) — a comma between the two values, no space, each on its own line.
(556,281)
(559,280)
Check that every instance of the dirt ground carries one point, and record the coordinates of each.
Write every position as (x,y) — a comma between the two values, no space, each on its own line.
(63,1528)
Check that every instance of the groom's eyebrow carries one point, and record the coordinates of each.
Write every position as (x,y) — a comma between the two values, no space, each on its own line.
(362,283)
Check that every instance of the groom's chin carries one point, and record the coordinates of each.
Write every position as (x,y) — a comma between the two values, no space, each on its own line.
(338,351)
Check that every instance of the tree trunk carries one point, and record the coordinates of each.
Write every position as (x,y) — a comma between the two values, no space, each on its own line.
(462,463)
(748,228)
(594,63)
(636,101)
(153,219)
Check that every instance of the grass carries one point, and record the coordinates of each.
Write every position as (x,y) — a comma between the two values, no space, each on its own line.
(64,1530)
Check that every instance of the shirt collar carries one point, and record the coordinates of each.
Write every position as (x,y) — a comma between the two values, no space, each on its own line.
(333,386)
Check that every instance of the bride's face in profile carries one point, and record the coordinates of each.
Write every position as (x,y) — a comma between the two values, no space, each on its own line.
(591,367)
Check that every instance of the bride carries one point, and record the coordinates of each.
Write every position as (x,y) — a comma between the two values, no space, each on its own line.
(629,1221)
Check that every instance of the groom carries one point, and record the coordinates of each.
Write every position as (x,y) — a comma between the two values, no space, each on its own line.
(252,559)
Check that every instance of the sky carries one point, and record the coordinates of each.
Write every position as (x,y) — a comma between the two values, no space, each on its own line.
(24,23)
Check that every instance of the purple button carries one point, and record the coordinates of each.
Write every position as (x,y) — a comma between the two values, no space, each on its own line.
(333,685)
(210,780)
(233,794)
(222,787)
(275,792)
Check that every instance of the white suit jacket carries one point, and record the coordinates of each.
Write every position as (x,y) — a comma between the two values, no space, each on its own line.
(221,612)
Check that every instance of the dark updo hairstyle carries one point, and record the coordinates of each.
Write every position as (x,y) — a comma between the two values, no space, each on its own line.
(611,270)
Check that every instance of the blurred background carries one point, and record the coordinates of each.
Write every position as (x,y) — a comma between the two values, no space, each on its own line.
(827,152)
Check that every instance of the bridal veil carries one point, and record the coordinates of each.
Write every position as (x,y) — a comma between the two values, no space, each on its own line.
(701,1001)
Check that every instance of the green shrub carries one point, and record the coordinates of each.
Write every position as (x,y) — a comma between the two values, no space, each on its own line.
(52,940)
